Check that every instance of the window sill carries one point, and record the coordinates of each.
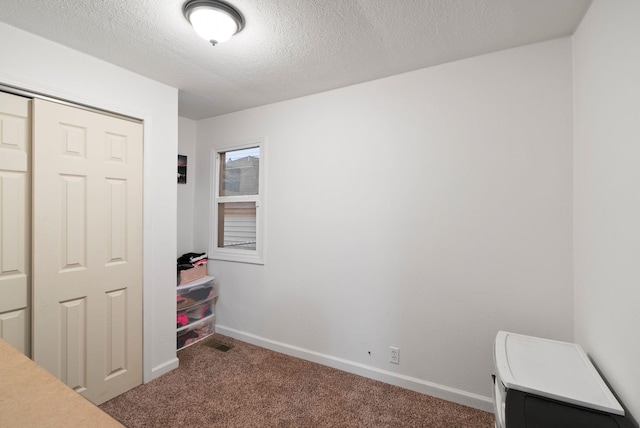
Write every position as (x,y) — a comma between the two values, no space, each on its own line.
(235,256)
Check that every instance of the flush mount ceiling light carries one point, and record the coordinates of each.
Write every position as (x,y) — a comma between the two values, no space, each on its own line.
(215,21)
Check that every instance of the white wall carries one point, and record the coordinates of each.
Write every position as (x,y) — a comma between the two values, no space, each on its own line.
(607,200)
(425,211)
(187,147)
(35,64)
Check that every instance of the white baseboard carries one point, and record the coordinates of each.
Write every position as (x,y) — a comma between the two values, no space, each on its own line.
(163,368)
(429,388)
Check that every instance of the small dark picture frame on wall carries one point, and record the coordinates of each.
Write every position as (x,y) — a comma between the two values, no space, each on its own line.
(182,169)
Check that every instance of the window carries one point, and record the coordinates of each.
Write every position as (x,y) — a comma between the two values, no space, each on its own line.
(237,204)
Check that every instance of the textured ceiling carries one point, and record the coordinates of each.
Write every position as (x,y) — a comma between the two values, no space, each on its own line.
(289,48)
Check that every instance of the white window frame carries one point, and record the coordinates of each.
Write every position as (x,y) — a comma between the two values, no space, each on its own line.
(229,254)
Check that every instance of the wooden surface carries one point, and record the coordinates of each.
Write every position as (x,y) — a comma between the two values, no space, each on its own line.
(31,397)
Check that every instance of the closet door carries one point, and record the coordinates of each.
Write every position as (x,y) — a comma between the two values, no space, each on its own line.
(87,241)
(15,147)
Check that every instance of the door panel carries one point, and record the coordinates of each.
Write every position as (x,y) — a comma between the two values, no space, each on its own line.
(73,343)
(87,280)
(117,209)
(73,205)
(13,328)
(15,208)
(116,332)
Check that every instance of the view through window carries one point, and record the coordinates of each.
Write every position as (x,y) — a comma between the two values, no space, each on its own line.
(237,200)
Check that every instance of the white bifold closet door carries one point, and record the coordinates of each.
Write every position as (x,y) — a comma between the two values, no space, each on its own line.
(15,220)
(87,249)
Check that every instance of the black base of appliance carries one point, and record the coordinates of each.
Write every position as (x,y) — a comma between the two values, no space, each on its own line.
(524,410)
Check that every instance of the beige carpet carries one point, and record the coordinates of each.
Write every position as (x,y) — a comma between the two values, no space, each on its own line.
(249,386)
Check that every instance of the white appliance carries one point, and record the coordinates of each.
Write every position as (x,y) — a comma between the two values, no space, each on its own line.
(541,383)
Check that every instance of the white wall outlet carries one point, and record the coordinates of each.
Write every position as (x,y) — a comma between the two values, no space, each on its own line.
(395,354)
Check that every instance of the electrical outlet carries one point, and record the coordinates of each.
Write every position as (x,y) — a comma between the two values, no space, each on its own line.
(395,354)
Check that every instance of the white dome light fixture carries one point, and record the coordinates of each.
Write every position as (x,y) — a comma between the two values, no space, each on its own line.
(215,21)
